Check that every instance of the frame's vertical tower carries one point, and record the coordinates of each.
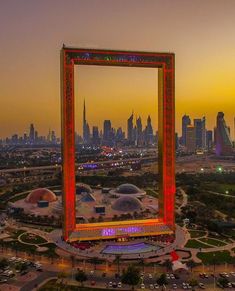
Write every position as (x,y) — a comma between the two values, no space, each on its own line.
(166,143)
(68,145)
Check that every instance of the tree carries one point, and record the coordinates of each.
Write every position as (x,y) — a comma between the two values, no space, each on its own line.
(81,276)
(94,261)
(168,264)
(193,282)
(191,264)
(62,276)
(3,263)
(72,260)
(162,280)
(131,276)
(117,260)
(223,282)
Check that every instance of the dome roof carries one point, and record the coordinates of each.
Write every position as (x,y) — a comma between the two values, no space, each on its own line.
(128,189)
(127,203)
(83,188)
(41,194)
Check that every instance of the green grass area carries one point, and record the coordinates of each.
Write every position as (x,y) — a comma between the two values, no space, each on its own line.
(216,258)
(53,286)
(220,187)
(223,238)
(32,238)
(151,192)
(51,250)
(48,229)
(31,249)
(192,243)
(18,197)
(197,233)
(213,242)
(16,233)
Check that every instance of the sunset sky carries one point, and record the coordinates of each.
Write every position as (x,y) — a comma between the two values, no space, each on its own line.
(201,33)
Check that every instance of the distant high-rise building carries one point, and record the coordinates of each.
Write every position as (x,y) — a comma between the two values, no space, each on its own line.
(31,133)
(190,139)
(149,132)
(95,135)
(139,132)
(86,128)
(200,132)
(120,135)
(209,139)
(107,132)
(222,135)
(176,141)
(53,137)
(130,129)
(36,135)
(185,122)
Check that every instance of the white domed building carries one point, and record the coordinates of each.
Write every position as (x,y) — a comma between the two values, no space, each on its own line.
(127,190)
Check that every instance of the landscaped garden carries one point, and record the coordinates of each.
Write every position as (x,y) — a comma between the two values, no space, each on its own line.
(195,244)
(216,258)
(197,233)
(52,285)
(32,238)
(213,242)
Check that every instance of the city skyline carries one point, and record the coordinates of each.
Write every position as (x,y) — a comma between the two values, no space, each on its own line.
(204,63)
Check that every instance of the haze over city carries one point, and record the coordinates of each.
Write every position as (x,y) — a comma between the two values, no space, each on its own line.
(201,33)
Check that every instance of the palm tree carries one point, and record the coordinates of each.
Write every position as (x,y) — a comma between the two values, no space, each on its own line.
(117,260)
(191,264)
(81,277)
(168,265)
(72,257)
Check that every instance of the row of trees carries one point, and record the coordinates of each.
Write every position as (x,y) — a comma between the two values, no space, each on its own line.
(130,276)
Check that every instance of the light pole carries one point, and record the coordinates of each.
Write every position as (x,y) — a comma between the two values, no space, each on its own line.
(214,268)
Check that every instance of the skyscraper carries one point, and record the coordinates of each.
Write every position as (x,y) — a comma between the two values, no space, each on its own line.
(107,132)
(149,132)
(86,128)
(139,133)
(190,139)
(31,133)
(130,129)
(95,135)
(200,132)
(185,122)
(222,135)
(209,139)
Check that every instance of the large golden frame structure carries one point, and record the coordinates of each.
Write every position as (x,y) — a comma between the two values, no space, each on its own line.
(165,63)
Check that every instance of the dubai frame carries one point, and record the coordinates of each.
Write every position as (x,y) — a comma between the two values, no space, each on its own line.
(165,222)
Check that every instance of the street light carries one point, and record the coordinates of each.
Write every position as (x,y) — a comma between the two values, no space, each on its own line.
(214,268)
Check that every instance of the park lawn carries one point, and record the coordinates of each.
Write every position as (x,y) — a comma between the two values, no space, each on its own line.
(31,249)
(151,192)
(216,258)
(197,233)
(51,250)
(18,197)
(53,286)
(213,242)
(223,238)
(16,233)
(35,240)
(194,244)
(220,188)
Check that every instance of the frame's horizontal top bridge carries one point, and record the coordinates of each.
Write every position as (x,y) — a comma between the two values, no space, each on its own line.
(118,58)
